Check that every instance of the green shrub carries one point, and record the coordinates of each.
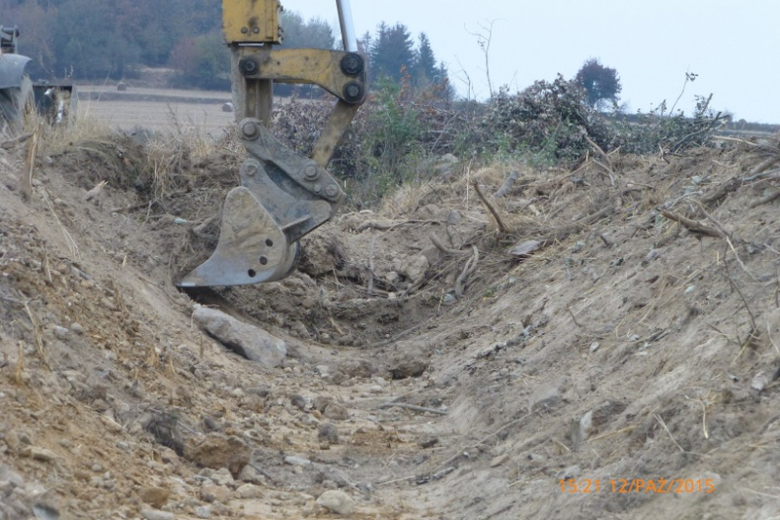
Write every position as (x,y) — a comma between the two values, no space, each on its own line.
(671,133)
(551,120)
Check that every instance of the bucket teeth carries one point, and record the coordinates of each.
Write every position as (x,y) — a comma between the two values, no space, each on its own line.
(252,248)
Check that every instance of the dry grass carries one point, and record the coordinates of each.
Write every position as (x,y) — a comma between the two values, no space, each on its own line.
(56,139)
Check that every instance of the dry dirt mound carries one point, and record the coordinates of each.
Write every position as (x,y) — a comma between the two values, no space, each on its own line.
(431,373)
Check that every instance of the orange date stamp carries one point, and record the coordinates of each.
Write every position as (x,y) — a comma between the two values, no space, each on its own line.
(637,485)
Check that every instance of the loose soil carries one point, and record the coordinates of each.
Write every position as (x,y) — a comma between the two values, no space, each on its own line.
(455,381)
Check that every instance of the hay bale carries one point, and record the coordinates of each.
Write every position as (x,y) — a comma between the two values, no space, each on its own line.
(121,86)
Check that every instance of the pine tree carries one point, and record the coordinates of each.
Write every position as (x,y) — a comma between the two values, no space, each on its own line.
(425,70)
(315,33)
(392,52)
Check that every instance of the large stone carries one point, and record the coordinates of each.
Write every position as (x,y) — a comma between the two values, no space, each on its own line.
(154,496)
(249,491)
(247,340)
(545,399)
(218,451)
(215,493)
(413,267)
(337,501)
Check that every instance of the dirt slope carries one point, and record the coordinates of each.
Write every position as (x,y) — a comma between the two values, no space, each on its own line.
(626,347)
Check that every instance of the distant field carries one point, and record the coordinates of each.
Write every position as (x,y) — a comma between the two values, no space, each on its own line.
(157,109)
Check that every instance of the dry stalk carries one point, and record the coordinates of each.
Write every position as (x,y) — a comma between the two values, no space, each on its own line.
(95,192)
(661,421)
(568,309)
(441,247)
(468,269)
(18,373)
(627,429)
(721,191)
(69,240)
(501,226)
(769,335)
(704,419)
(739,260)
(413,407)
(758,171)
(371,267)
(37,334)
(32,152)
(603,212)
(715,221)
(120,301)
(767,199)
(752,335)
(763,147)
(692,225)
(10,143)
(47,269)
(508,183)
(154,358)
(607,166)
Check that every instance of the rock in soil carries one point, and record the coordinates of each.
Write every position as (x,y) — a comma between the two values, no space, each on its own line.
(203,512)
(545,399)
(218,451)
(336,411)
(328,432)
(246,340)
(214,493)
(154,496)
(251,475)
(408,368)
(298,401)
(154,514)
(498,460)
(337,501)
(249,491)
(293,460)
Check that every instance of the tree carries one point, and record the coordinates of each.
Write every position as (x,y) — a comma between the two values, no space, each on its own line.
(600,82)
(425,70)
(90,41)
(392,52)
(202,62)
(315,33)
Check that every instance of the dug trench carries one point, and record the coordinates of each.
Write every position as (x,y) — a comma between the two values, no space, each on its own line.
(434,369)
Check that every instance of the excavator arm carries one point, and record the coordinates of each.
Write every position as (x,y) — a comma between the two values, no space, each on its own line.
(283,196)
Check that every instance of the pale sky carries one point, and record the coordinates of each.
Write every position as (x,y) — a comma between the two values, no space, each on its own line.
(731,44)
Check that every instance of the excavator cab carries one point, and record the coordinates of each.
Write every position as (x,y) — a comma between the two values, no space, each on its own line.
(283,196)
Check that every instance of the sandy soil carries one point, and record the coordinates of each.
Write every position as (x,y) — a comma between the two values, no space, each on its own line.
(467,383)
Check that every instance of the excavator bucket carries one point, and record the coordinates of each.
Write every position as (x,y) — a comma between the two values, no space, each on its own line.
(252,248)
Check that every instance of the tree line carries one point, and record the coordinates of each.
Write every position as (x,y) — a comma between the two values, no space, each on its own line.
(114,39)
